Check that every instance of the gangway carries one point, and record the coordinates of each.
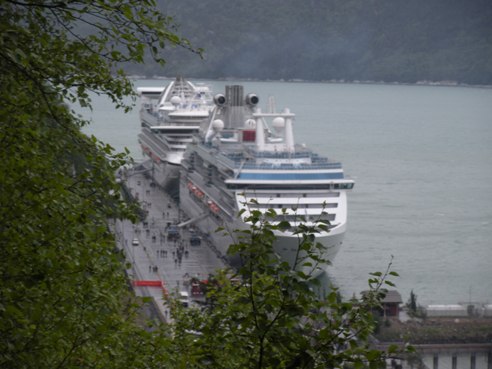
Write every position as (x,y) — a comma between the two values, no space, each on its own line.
(193,220)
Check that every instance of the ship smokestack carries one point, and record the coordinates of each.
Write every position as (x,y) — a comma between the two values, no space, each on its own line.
(234,95)
(235,104)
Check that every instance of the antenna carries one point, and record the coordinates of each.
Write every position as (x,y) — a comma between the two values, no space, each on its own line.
(271,105)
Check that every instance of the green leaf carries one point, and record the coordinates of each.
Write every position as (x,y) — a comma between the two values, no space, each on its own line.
(392,348)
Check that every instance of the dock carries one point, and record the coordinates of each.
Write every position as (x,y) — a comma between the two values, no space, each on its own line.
(167,255)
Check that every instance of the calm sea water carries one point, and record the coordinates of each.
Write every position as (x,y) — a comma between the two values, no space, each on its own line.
(421,157)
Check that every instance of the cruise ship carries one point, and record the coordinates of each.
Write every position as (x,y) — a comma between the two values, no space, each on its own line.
(169,116)
(244,160)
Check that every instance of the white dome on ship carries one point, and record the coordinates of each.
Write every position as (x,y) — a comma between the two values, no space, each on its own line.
(250,123)
(175,100)
(278,122)
(218,125)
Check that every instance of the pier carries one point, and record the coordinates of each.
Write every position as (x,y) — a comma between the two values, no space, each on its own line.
(164,251)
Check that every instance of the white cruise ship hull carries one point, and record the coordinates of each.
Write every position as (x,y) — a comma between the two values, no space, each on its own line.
(244,161)
(286,245)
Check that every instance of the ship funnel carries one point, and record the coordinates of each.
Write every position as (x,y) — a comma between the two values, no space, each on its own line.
(234,114)
(219,100)
(252,99)
(235,95)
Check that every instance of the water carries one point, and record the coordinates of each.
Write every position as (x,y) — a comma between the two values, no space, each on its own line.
(422,160)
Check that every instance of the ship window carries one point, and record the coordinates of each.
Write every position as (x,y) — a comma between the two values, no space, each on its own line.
(343,186)
(329,217)
(227,134)
(300,218)
(278,195)
(263,205)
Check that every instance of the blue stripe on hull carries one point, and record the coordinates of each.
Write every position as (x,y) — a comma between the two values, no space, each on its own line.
(289,176)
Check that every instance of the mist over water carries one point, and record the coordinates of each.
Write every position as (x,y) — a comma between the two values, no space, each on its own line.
(421,157)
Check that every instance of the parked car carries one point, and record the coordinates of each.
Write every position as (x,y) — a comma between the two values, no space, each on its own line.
(172,233)
(184,298)
(195,240)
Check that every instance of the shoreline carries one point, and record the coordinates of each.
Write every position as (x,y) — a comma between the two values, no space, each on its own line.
(331,81)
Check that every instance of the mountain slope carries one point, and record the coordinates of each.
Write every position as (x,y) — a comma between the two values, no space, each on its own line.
(381,40)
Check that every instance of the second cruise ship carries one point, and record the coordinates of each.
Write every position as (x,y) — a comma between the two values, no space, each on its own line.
(169,116)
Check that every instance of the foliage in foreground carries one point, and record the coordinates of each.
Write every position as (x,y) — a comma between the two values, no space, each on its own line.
(267,315)
(64,301)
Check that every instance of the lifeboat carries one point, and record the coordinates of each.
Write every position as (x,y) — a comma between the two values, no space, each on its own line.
(213,207)
(196,191)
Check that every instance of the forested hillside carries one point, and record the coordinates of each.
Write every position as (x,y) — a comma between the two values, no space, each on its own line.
(378,40)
